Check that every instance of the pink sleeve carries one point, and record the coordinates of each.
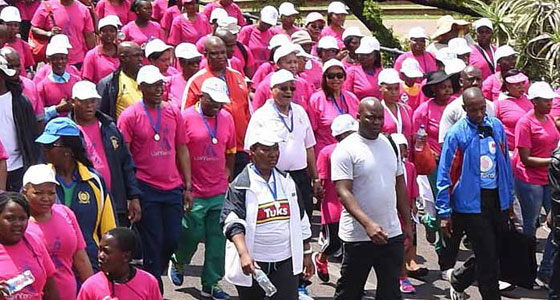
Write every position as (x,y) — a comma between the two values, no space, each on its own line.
(79,235)
(124,127)
(175,32)
(398,62)
(27,55)
(207,11)
(349,82)
(3,153)
(167,19)
(554,112)
(244,35)
(88,67)
(250,57)
(100,9)
(311,111)
(523,134)
(415,189)
(231,143)
(419,117)
(323,164)
(40,16)
(240,19)
(181,134)
(260,96)
(88,26)
(487,88)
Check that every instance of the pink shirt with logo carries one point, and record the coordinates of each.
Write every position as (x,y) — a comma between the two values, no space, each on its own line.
(208,160)
(328,31)
(301,95)
(541,139)
(168,17)
(185,30)
(96,151)
(155,160)
(106,8)
(427,61)
(98,65)
(27,254)
(257,42)
(142,286)
(399,123)
(477,59)
(509,110)
(323,111)
(75,21)
(25,56)
(27,9)
(361,83)
(46,69)
(233,10)
(429,114)
(141,35)
(63,238)
(51,93)
(331,208)
(30,91)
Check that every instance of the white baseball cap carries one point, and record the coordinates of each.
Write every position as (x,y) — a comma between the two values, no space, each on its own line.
(39,174)
(5,68)
(411,68)
(389,76)
(278,40)
(301,37)
(484,22)
(149,74)
(264,136)
(287,9)
(368,44)
(62,40)
(110,20)
(84,90)
(333,62)
(351,31)
(504,51)
(541,89)
(300,52)
(312,17)
(343,123)
(337,7)
(55,48)
(417,33)
(187,51)
(230,24)
(444,54)
(284,51)
(217,14)
(459,46)
(328,42)
(10,14)
(216,88)
(156,46)
(399,139)
(269,15)
(280,77)
(454,66)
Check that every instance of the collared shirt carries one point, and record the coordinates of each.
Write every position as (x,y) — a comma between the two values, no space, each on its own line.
(129,93)
(293,155)
(454,112)
(59,78)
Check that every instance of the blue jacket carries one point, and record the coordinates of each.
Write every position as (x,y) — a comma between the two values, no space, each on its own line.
(458,180)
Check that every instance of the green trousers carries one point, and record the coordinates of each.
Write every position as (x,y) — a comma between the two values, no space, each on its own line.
(202,223)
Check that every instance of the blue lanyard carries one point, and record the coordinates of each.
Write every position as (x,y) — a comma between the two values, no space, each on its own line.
(157,126)
(211,132)
(291,127)
(340,108)
(273,191)
(223,77)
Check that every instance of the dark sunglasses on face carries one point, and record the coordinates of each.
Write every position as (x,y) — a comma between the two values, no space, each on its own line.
(317,27)
(287,88)
(338,75)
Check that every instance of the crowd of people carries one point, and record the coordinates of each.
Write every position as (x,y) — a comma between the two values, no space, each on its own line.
(132,131)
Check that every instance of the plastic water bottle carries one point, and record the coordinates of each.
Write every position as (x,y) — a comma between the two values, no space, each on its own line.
(265,283)
(420,139)
(19,282)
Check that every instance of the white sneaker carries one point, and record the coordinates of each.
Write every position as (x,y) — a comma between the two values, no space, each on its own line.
(444,274)
(453,294)
(505,287)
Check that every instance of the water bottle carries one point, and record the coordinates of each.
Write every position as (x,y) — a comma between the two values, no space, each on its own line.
(19,282)
(265,283)
(420,139)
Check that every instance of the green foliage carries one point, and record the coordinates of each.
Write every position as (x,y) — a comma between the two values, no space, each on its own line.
(373,13)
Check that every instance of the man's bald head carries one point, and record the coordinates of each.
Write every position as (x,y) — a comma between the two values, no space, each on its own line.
(213,42)
(215,53)
(130,56)
(230,40)
(471,76)
(474,104)
(369,104)
(127,46)
(371,117)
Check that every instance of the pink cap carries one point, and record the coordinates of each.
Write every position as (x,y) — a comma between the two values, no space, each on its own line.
(517,78)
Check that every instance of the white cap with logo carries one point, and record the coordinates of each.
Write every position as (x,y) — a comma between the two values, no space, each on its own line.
(39,174)
(187,51)
(351,31)
(368,44)
(10,14)
(281,76)
(55,48)
(264,136)
(411,68)
(301,37)
(287,9)
(541,89)
(61,39)
(149,74)
(216,88)
(269,15)
(333,62)
(454,66)
(343,123)
(229,23)
(84,90)
(217,14)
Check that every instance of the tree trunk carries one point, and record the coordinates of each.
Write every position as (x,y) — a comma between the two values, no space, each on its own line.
(447,5)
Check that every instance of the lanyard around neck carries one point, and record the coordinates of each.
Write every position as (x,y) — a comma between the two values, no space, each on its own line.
(340,109)
(272,189)
(156,127)
(397,119)
(291,127)
(212,133)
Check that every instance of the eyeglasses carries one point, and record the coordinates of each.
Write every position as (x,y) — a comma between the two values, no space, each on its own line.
(338,75)
(287,88)
(317,27)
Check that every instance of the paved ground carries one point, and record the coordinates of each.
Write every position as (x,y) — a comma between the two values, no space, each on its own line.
(432,288)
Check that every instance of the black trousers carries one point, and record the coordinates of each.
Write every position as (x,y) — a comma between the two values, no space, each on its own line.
(357,261)
(554,285)
(484,231)
(282,276)
(14,181)
(303,182)
(447,255)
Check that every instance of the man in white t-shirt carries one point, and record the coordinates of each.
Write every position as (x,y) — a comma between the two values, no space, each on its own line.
(369,180)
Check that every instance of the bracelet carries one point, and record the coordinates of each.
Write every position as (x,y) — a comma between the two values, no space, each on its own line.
(308,251)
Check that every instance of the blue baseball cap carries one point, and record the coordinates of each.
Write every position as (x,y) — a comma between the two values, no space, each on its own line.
(56,128)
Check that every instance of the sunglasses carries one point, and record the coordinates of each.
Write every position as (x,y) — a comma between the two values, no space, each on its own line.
(317,27)
(287,88)
(338,75)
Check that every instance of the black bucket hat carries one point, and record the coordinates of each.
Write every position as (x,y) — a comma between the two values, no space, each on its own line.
(434,78)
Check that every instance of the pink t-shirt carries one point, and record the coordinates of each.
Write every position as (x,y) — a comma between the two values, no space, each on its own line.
(278,29)
(314,75)
(46,69)
(348,64)
(96,151)
(27,254)
(24,51)
(323,111)
(328,31)
(427,61)
(97,65)
(51,92)
(257,42)
(361,83)
(106,8)
(509,111)
(555,111)
(541,139)
(63,238)
(30,91)
(158,9)
(301,96)
(208,161)
(330,205)
(141,35)
(3,154)
(26,9)
(168,17)
(399,123)
(155,160)
(411,183)
(492,87)
(184,30)
(75,21)
(176,88)
(233,10)
(429,114)
(142,286)
(262,71)
(477,59)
